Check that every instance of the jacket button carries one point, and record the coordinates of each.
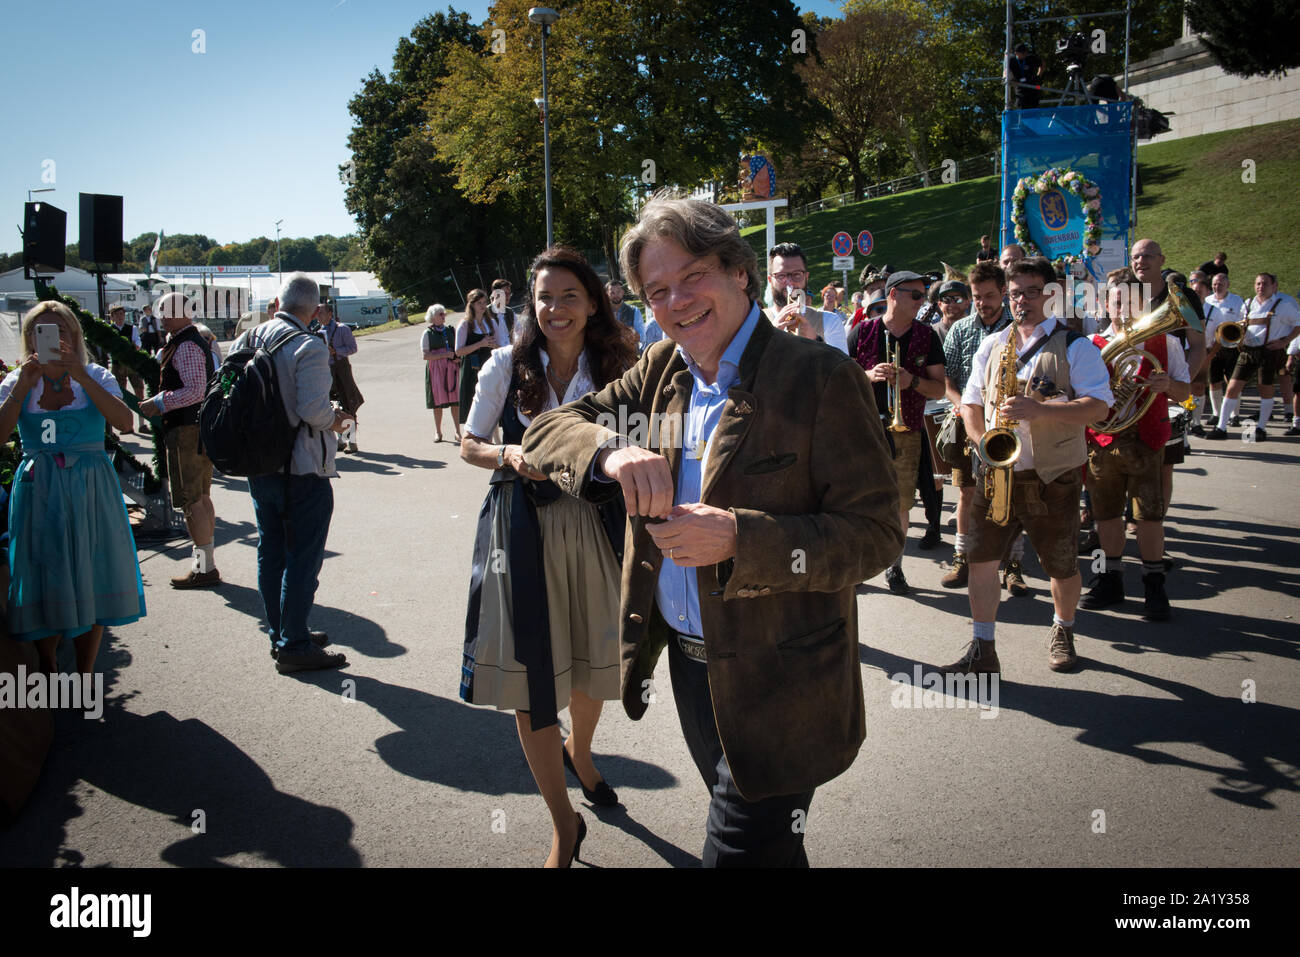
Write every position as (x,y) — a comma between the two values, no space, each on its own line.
(635,617)
(765,590)
(743,593)
(646,565)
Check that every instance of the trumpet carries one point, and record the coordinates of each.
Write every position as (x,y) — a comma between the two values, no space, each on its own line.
(1230,334)
(893,352)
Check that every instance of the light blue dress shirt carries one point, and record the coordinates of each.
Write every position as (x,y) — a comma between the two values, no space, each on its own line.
(678,590)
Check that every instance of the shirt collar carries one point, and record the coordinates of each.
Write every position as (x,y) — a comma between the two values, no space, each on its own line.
(729,364)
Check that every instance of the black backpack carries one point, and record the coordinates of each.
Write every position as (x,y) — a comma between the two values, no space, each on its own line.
(243,426)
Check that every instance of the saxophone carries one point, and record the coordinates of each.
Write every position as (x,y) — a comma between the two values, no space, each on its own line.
(999,447)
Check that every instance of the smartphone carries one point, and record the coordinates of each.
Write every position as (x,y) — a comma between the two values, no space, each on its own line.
(47,342)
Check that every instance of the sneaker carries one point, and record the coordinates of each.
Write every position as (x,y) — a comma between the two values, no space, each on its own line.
(894,578)
(958,575)
(1217,433)
(195,579)
(1103,591)
(1260,435)
(1060,648)
(1198,430)
(981,658)
(1089,543)
(930,539)
(1156,605)
(314,660)
(318,638)
(1013,579)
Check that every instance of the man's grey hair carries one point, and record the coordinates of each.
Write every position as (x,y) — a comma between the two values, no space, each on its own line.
(699,227)
(299,294)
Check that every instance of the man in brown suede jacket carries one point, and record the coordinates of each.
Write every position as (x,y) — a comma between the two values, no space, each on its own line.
(759,491)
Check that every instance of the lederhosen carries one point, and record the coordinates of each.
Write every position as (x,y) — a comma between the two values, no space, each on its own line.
(1253,359)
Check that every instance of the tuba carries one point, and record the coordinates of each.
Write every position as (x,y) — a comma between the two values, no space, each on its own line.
(1124,355)
(999,446)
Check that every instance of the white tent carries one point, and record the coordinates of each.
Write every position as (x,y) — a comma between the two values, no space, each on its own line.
(18,294)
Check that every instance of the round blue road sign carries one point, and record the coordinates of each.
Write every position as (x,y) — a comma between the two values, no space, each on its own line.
(865,242)
(842,244)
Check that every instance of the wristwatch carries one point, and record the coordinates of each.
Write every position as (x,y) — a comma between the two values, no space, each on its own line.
(501,457)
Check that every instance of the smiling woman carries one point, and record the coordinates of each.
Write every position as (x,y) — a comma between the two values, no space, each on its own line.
(541,630)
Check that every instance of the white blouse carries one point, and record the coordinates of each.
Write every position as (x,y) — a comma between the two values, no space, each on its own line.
(79,400)
(494,384)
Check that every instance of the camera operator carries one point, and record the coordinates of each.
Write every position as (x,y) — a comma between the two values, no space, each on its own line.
(1026,68)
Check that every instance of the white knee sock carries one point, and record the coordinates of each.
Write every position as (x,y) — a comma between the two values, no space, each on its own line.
(1216,399)
(1265,410)
(1196,412)
(1227,412)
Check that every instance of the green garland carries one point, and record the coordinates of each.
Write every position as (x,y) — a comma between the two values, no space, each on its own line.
(106,340)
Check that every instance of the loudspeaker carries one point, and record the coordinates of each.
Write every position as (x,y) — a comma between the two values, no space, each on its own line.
(45,230)
(101,228)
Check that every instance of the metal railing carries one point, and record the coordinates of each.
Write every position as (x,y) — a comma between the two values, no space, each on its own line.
(983,165)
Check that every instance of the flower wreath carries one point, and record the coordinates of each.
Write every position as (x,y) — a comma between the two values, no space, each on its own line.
(1069,180)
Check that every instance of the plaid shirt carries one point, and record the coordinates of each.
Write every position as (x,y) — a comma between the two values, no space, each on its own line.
(193,371)
(963,341)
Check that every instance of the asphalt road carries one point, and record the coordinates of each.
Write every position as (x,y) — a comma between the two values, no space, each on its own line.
(382,764)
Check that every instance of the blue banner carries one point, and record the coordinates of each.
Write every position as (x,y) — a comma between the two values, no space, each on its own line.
(1094,140)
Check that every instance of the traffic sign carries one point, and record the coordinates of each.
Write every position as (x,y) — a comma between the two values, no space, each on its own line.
(842,244)
(842,264)
(865,242)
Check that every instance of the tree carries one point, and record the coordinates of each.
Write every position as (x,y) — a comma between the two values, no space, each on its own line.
(643,94)
(412,221)
(1249,37)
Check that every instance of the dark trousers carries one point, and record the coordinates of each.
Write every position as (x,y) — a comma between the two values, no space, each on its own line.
(290,549)
(739,833)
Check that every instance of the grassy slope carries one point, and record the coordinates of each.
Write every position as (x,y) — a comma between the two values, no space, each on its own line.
(1193,203)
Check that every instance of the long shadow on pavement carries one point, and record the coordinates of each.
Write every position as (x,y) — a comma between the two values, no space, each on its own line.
(346,629)
(477,750)
(384,464)
(174,768)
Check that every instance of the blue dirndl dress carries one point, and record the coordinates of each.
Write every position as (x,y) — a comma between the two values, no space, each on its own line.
(72,558)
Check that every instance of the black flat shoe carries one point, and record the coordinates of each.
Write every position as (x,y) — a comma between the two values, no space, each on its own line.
(602,795)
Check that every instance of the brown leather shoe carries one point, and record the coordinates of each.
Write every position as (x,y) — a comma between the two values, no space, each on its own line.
(198,580)
(1013,579)
(980,658)
(1060,648)
(959,575)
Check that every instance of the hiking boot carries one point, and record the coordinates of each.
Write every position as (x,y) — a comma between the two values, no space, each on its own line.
(195,579)
(981,658)
(1013,579)
(895,580)
(958,574)
(1103,591)
(1060,648)
(1156,604)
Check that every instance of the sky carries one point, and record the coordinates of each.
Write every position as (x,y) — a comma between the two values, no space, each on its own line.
(113,98)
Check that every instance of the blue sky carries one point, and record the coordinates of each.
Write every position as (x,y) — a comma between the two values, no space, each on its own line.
(224,142)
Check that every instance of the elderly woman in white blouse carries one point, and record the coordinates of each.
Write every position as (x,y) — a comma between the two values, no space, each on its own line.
(542,625)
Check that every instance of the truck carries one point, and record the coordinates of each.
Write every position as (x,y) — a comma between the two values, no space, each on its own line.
(363,311)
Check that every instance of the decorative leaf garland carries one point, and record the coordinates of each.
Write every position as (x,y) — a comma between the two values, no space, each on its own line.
(1071,181)
(106,340)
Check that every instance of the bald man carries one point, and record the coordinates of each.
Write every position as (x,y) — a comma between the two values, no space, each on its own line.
(186,362)
(1010,254)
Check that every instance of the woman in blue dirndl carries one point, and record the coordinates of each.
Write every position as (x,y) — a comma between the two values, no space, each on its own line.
(72,562)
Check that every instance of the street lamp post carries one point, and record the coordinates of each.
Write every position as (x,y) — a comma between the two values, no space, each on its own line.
(279,270)
(544,17)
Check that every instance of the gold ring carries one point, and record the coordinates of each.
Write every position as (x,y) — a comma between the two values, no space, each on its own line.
(671,555)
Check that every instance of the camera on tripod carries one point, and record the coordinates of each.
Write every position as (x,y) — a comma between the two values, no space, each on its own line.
(1073,50)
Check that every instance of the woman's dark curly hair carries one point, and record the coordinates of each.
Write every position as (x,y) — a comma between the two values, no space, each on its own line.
(610,345)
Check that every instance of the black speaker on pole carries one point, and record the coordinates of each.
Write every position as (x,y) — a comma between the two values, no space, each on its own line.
(45,230)
(101,228)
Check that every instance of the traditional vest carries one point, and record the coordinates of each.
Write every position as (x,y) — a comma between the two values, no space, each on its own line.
(170,379)
(1057,447)
(1153,428)
(446,338)
(125,331)
(871,350)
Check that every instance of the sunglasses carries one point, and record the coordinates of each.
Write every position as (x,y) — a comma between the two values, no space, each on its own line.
(952,298)
(916,294)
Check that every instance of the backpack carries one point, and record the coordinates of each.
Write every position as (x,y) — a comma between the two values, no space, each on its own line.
(243,426)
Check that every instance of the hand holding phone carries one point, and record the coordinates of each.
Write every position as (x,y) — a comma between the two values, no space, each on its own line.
(47,342)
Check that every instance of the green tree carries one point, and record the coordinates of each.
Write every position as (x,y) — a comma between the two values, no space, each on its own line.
(1249,37)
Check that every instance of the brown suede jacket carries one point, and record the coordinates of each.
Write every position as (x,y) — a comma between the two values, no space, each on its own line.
(800,458)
